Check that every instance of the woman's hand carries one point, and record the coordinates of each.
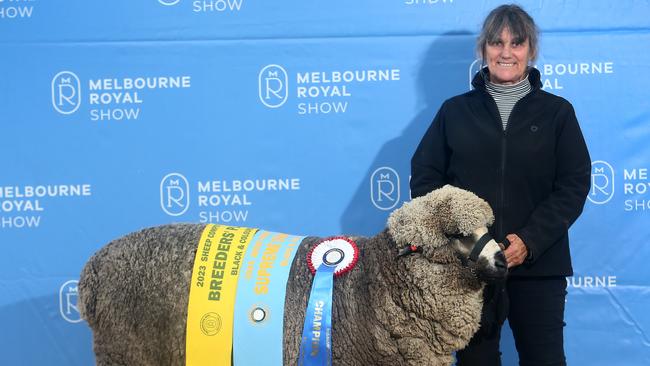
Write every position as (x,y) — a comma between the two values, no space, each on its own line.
(517,252)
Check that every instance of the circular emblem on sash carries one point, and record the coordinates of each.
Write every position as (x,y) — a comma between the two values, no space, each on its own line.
(259,314)
(210,324)
(339,252)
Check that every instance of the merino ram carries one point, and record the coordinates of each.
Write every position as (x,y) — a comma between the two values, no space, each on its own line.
(391,309)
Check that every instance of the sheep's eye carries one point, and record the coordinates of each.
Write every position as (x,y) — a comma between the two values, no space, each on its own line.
(456,236)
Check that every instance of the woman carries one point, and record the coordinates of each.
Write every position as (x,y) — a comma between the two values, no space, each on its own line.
(521,149)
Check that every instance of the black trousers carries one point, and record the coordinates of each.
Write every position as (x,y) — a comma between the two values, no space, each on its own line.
(536,317)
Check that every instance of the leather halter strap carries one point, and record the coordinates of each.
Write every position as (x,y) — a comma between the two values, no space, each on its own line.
(478,247)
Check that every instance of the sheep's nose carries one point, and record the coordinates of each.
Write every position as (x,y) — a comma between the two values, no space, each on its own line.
(500,261)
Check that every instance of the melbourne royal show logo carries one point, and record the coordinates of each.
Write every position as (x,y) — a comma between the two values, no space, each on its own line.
(68,295)
(273,86)
(174,194)
(319,91)
(111,98)
(385,188)
(427,2)
(12,9)
(206,6)
(23,206)
(474,68)
(219,200)
(66,92)
(553,75)
(602,182)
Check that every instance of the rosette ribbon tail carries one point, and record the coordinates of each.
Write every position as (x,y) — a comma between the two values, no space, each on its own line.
(316,343)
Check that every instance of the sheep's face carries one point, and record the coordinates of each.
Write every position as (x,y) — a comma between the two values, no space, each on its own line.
(488,263)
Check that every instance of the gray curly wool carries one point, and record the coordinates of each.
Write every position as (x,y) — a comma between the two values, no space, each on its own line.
(415,310)
(425,222)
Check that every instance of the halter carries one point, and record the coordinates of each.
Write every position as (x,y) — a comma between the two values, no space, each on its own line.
(409,250)
(478,247)
(473,255)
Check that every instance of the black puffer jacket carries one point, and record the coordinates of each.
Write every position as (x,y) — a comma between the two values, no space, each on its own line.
(535,174)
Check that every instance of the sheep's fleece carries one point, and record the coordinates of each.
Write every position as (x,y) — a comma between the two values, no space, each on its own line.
(412,310)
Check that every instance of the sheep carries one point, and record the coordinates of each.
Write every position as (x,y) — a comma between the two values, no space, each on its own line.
(394,308)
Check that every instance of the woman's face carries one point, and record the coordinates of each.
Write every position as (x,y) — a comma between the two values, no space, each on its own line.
(507,58)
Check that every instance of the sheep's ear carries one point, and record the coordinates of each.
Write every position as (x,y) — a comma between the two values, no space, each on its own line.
(468,211)
(418,222)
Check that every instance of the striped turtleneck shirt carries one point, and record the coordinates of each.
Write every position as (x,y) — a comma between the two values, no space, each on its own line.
(506,96)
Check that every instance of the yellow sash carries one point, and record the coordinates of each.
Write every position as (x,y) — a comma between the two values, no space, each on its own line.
(217,265)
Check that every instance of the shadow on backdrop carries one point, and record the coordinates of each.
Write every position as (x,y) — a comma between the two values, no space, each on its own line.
(444,72)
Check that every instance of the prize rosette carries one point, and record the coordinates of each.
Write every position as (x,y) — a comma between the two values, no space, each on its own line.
(338,251)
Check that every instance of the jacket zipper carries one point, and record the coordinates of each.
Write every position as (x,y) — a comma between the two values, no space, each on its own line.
(500,189)
(502,183)
(502,193)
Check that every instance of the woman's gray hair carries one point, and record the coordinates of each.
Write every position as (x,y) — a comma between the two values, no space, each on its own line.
(520,24)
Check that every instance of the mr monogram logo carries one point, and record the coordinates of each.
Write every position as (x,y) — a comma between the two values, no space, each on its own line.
(602,182)
(66,92)
(68,295)
(273,86)
(174,194)
(474,68)
(385,188)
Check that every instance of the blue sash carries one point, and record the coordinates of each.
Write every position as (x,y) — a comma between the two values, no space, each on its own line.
(259,305)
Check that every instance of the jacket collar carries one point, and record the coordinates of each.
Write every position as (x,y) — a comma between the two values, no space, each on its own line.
(534,78)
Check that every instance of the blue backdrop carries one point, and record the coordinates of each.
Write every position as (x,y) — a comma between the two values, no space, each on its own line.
(292,116)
